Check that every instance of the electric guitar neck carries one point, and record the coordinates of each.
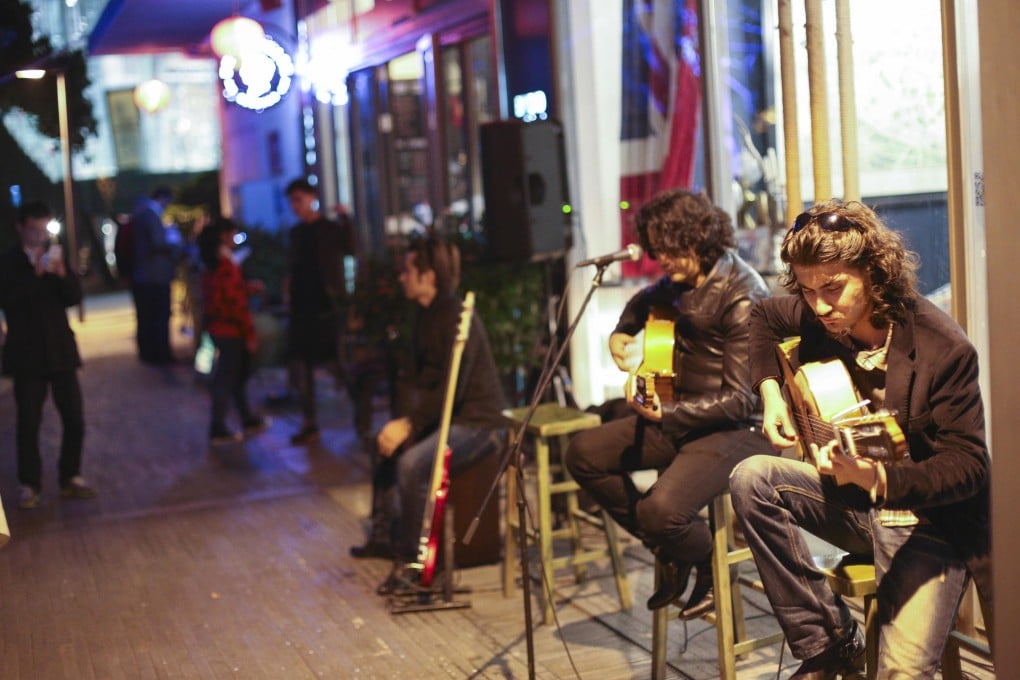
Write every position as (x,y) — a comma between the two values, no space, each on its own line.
(439,484)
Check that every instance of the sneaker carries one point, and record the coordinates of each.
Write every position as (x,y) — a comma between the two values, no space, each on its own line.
(255,425)
(308,434)
(29,498)
(221,436)
(77,488)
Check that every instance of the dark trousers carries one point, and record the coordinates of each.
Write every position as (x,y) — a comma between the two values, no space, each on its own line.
(400,484)
(29,397)
(152,308)
(230,381)
(691,473)
(358,384)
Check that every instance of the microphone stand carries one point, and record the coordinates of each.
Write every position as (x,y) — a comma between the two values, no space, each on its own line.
(516,454)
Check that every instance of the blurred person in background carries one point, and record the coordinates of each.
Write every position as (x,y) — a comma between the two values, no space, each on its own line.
(317,298)
(41,354)
(228,321)
(157,250)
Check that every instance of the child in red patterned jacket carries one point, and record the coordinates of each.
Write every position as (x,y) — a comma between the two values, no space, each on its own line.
(228,322)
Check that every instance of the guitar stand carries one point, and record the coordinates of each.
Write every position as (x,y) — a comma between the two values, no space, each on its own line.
(434,598)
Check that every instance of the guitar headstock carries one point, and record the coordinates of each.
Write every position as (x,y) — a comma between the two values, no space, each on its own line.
(468,308)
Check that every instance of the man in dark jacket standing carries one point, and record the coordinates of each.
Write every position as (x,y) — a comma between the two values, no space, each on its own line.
(317,295)
(36,288)
(698,433)
(924,520)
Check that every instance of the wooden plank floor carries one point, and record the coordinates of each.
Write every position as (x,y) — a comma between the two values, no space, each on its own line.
(234,564)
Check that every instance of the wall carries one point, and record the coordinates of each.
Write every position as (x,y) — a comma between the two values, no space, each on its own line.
(998,26)
(588,32)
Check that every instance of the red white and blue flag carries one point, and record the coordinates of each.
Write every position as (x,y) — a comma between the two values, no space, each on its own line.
(661,101)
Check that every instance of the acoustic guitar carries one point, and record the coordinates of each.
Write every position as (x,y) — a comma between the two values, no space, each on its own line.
(658,373)
(826,405)
(439,485)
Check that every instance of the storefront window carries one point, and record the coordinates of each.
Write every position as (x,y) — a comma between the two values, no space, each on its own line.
(456,152)
(899,137)
(410,143)
(482,109)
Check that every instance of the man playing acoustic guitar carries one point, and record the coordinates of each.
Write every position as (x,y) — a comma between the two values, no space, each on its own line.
(695,435)
(408,444)
(924,520)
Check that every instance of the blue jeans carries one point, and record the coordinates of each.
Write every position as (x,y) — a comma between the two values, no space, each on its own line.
(920,577)
(406,498)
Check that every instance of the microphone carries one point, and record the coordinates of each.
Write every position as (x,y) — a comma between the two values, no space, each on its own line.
(632,252)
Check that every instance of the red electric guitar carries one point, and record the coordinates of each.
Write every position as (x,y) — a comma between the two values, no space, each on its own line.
(435,503)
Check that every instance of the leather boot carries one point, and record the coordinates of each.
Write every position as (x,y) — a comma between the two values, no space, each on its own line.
(672,586)
(702,599)
(846,658)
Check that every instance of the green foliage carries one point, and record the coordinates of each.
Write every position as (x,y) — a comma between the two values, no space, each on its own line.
(509,299)
(18,50)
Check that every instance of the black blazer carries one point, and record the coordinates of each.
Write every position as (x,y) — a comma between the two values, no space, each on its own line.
(932,387)
(39,339)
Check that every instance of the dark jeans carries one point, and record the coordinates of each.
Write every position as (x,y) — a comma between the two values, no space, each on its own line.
(691,473)
(152,308)
(29,397)
(359,387)
(405,482)
(230,380)
(920,576)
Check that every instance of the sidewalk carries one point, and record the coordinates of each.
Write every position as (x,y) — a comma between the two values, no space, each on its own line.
(146,447)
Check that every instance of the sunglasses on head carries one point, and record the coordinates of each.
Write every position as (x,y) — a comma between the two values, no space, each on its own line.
(828,221)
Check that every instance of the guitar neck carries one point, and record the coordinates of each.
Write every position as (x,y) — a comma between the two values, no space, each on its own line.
(441,460)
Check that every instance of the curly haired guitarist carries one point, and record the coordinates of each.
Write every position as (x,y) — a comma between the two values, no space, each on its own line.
(696,433)
(923,519)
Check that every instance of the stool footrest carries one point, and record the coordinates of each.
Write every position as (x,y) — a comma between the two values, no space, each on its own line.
(973,644)
(579,558)
(593,520)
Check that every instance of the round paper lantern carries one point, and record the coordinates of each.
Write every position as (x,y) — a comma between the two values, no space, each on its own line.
(152,95)
(233,35)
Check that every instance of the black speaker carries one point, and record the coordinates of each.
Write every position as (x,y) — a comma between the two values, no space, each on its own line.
(524,180)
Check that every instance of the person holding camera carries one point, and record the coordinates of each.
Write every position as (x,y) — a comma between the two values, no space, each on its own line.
(36,288)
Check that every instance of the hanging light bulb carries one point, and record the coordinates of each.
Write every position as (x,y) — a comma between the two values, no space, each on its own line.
(152,95)
(233,35)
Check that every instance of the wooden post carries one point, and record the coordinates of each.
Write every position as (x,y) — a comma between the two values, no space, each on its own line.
(819,100)
(847,102)
(788,79)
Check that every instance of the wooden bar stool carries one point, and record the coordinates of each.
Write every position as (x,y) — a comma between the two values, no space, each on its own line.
(728,617)
(851,577)
(552,420)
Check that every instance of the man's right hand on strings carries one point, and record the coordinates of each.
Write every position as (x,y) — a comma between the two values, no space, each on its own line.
(626,351)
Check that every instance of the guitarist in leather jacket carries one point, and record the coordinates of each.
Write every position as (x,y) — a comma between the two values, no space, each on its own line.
(924,520)
(696,438)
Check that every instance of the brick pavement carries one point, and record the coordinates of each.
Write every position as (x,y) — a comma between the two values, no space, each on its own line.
(146,443)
